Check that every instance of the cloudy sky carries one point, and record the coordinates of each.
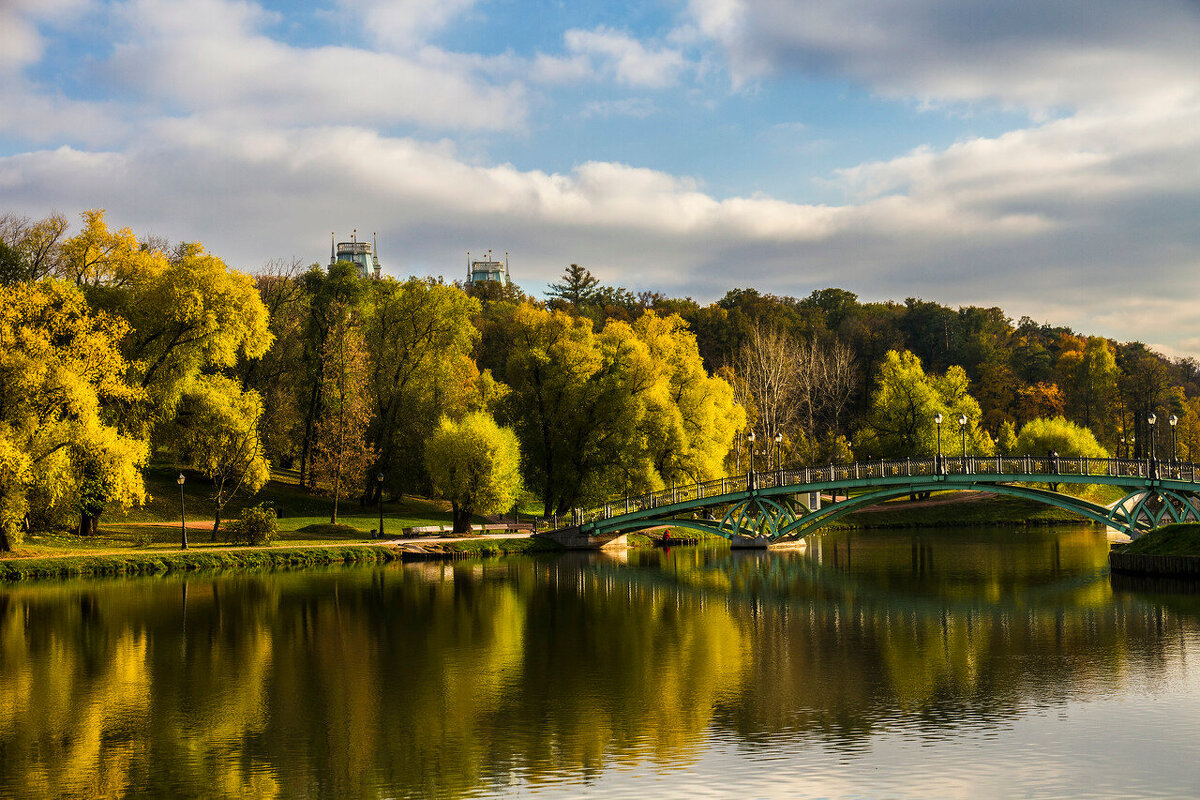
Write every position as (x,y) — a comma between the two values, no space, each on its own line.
(1040,155)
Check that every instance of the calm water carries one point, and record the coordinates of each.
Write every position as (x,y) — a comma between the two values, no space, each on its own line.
(890,664)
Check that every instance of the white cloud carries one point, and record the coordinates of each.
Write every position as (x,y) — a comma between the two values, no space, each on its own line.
(1038,54)
(210,57)
(403,23)
(636,107)
(630,61)
(1092,242)
(21,40)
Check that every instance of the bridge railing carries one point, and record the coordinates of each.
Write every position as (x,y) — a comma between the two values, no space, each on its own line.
(1043,467)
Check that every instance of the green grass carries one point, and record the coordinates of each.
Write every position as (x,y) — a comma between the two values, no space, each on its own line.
(190,561)
(998,510)
(1180,539)
(499,547)
(295,505)
(645,540)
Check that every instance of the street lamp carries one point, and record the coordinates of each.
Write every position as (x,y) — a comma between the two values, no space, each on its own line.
(750,439)
(379,479)
(1122,450)
(1152,418)
(962,426)
(779,440)
(182,516)
(937,418)
(1174,420)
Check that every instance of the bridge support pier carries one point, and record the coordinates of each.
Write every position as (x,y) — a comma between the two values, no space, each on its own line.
(574,539)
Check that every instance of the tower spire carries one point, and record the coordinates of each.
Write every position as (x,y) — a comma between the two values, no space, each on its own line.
(332,254)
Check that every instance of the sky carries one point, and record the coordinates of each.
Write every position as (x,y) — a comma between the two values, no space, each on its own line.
(1038,155)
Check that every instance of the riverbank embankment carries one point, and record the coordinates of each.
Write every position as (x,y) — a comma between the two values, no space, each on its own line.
(1171,551)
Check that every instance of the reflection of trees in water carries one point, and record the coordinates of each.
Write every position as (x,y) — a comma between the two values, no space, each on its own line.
(440,678)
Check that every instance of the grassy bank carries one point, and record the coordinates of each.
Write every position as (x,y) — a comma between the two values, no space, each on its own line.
(143,563)
(645,540)
(481,548)
(1180,539)
(956,509)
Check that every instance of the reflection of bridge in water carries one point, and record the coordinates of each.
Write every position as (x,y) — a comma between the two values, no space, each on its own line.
(760,509)
(795,577)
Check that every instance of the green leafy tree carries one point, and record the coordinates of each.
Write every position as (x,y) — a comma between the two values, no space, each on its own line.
(1044,435)
(476,465)
(904,407)
(1006,439)
(60,366)
(333,295)
(217,434)
(418,336)
(341,454)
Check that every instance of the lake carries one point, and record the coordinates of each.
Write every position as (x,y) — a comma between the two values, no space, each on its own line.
(948,663)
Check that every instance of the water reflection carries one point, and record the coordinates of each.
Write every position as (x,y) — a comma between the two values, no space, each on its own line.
(476,678)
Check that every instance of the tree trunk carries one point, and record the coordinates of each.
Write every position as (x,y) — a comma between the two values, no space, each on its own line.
(5,542)
(216,522)
(89,525)
(462,519)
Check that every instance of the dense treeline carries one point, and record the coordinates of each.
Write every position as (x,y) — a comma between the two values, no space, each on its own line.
(119,350)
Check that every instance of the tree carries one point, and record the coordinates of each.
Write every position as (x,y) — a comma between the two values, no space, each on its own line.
(905,403)
(1006,439)
(475,464)
(188,313)
(332,295)
(60,367)
(1040,400)
(578,287)
(30,250)
(627,409)
(278,373)
(767,367)
(418,336)
(1058,434)
(340,453)
(217,435)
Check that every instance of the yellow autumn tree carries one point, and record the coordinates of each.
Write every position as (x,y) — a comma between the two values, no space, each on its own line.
(217,434)
(476,465)
(60,368)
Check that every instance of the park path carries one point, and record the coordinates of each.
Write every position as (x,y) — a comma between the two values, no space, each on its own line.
(972,497)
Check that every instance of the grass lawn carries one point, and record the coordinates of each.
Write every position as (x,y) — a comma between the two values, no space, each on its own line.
(304,518)
(967,508)
(1179,539)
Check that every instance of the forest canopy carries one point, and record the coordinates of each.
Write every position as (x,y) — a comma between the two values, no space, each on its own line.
(122,348)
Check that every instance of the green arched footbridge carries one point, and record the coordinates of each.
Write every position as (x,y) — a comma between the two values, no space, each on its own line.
(763,508)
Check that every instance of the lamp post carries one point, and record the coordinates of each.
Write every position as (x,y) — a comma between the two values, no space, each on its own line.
(778,457)
(937,418)
(962,426)
(182,516)
(1122,451)
(379,479)
(750,439)
(1151,419)
(1174,420)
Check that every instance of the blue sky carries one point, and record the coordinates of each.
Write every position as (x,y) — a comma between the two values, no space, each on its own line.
(1042,156)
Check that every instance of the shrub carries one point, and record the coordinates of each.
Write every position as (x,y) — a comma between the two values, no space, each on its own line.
(257,525)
